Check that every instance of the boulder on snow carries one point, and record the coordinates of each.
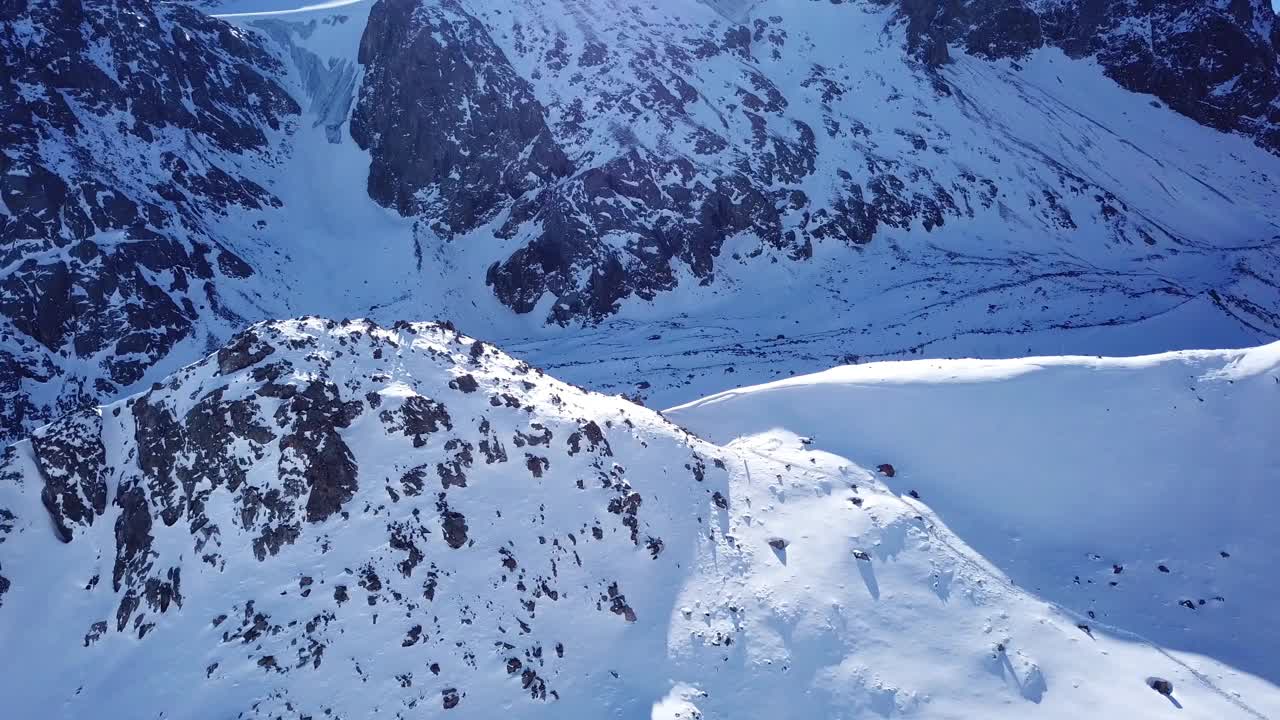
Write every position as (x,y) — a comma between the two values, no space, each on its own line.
(778,543)
(887,470)
(1160,685)
(450,698)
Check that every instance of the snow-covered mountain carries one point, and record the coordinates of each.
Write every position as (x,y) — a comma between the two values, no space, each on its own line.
(769,187)
(328,519)
(217,513)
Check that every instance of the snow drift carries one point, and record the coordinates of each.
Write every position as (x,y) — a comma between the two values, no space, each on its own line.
(1139,492)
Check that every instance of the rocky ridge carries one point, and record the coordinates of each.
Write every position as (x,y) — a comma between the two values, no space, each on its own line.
(126,128)
(1215,62)
(338,519)
(388,480)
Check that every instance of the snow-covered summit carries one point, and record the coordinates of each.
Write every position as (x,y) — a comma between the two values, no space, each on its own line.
(341,519)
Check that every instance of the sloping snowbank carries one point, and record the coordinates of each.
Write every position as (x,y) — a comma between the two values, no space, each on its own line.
(1156,473)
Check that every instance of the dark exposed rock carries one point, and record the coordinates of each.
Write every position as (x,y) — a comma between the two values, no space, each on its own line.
(411,637)
(471,157)
(627,504)
(159,440)
(313,456)
(453,524)
(245,350)
(133,544)
(655,546)
(413,481)
(450,697)
(618,604)
(71,459)
(490,446)
(540,436)
(594,436)
(418,417)
(89,235)
(451,472)
(466,383)
(1214,63)
(537,465)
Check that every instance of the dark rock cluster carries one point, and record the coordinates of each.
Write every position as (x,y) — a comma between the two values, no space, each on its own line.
(1213,62)
(122,125)
(650,152)
(309,437)
(464,137)
(446,116)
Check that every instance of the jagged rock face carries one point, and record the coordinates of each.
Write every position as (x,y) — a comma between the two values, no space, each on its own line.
(644,141)
(132,72)
(628,215)
(123,126)
(454,132)
(404,483)
(1215,62)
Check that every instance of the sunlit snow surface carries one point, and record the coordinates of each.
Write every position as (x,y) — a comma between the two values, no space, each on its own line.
(1036,478)
(1109,489)
(1055,532)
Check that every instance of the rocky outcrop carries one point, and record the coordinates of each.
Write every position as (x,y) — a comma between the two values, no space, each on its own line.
(124,127)
(302,444)
(71,459)
(1215,62)
(454,132)
(87,77)
(619,158)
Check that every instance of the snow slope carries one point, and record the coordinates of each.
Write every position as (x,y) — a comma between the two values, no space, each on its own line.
(1078,478)
(340,519)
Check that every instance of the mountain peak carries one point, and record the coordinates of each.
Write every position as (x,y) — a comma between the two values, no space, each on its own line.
(342,519)
(408,476)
